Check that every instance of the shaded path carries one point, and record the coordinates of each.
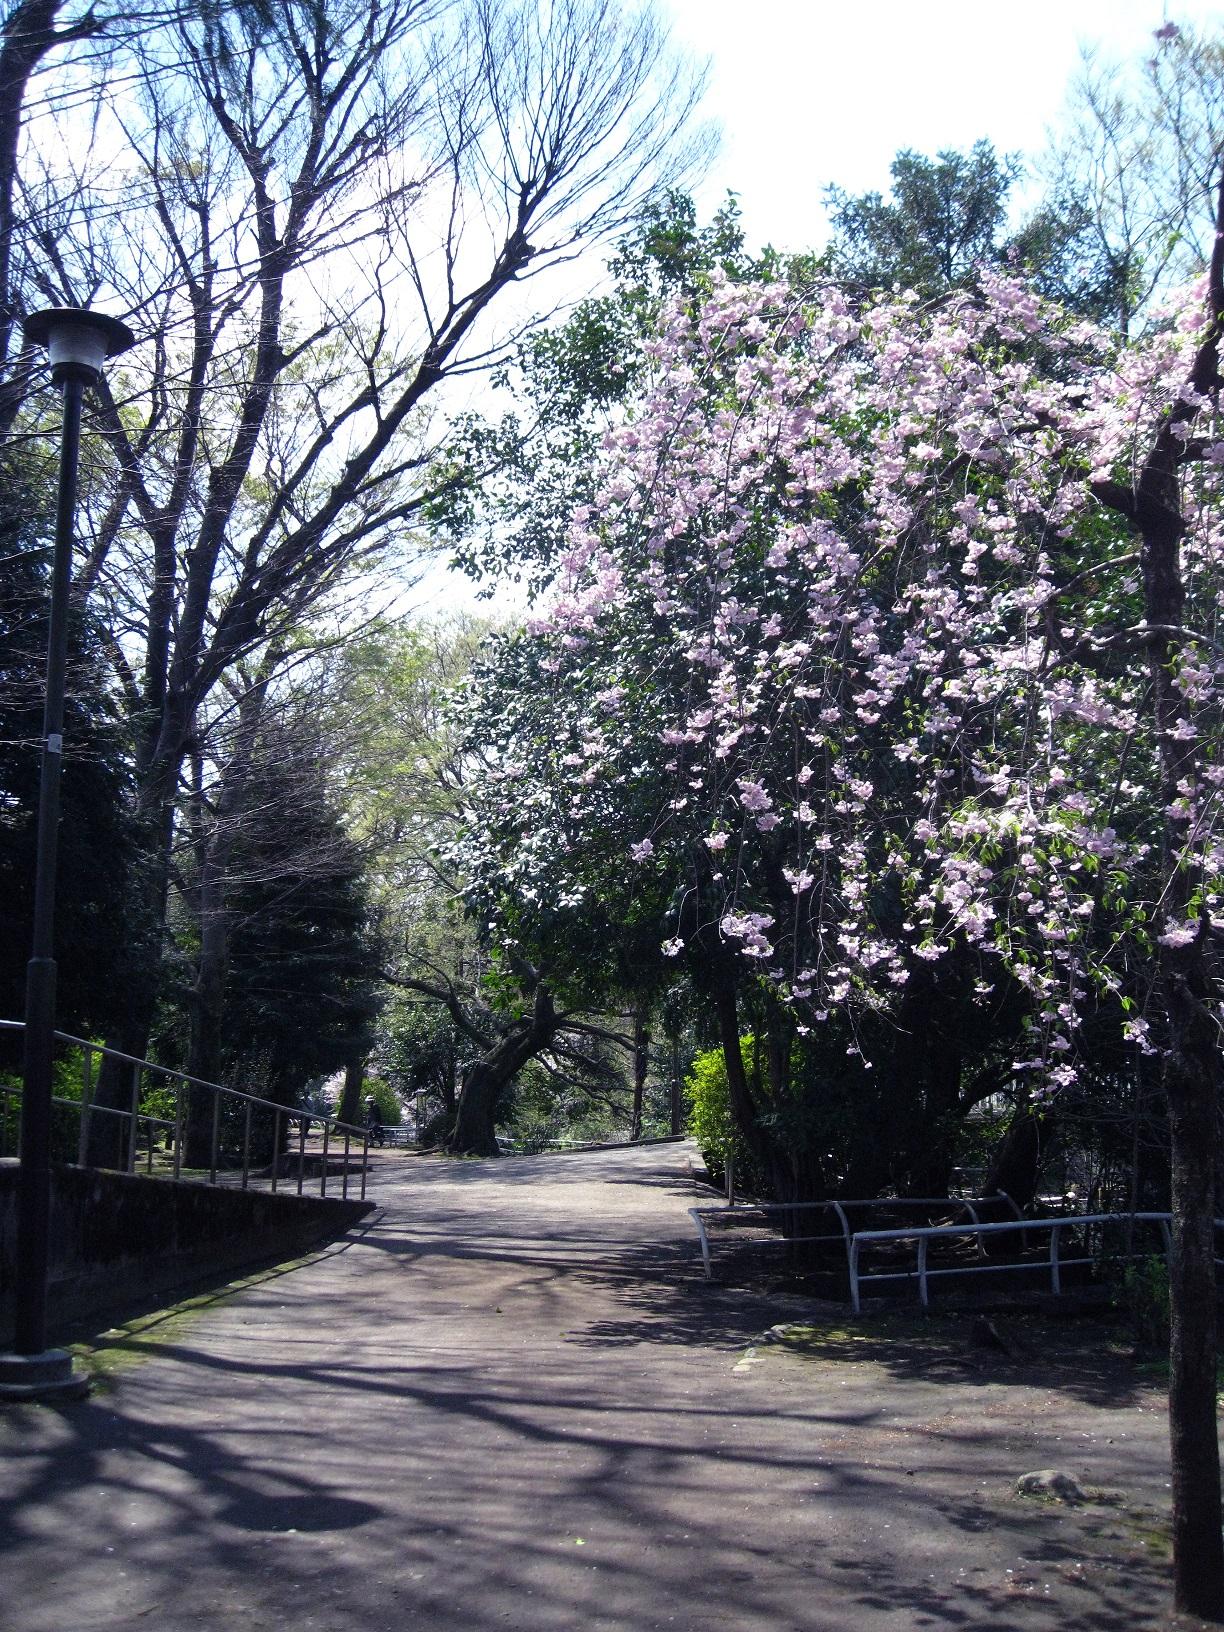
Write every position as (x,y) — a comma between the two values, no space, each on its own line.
(509,1401)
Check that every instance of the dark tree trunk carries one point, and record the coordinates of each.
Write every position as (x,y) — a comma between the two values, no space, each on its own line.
(743,1107)
(641,1062)
(1190,987)
(782,1171)
(1198,1546)
(475,1131)
(1015,1165)
(354,1080)
(207,1013)
(149,887)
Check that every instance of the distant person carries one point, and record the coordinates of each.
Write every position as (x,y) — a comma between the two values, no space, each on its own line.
(374,1121)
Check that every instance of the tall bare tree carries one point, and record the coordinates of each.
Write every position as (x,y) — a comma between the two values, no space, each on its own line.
(1138,162)
(312,210)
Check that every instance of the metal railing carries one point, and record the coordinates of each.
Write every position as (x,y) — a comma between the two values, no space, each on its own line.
(923,1272)
(736,1214)
(345,1137)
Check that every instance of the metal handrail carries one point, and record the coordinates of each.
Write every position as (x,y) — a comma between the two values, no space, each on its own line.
(282,1115)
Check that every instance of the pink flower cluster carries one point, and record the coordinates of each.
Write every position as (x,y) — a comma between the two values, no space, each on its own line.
(882,640)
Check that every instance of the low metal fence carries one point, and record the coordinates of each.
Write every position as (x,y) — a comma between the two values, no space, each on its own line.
(229,1161)
(1055,1261)
(735,1215)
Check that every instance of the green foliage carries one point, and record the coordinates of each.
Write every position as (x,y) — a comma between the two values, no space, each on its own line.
(947,216)
(98,842)
(709,1120)
(1145,1298)
(944,216)
(302,985)
(516,484)
(539,1112)
(421,1051)
(385,1097)
(67,1083)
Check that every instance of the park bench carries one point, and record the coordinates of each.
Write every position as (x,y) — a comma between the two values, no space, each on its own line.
(401,1136)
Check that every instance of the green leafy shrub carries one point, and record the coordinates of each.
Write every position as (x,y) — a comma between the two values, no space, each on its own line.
(386,1098)
(710,1121)
(1145,1299)
(66,1077)
(709,1118)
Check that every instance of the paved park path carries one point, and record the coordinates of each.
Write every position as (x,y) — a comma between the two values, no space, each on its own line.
(508,1401)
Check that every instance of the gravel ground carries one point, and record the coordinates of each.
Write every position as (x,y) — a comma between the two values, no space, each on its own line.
(508,1400)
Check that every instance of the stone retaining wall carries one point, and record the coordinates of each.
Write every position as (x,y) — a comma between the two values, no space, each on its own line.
(117,1237)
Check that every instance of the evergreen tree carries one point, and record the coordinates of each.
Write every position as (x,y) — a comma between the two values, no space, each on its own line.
(946,218)
(300,993)
(97,840)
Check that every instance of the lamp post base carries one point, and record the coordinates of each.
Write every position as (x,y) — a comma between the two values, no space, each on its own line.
(46,1378)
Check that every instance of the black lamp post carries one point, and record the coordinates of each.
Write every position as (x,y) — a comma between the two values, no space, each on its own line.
(79,342)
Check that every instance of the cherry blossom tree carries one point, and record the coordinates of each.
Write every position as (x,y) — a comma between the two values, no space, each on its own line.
(888,649)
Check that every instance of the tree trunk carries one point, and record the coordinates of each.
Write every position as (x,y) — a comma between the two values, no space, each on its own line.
(475,1132)
(349,1109)
(207,1012)
(780,1172)
(107,1143)
(1015,1163)
(150,883)
(1193,1089)
(641,1061)
(677,1098)
(743,1108)
(1189,981)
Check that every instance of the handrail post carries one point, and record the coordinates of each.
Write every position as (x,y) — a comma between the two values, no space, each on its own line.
(179,1085)
(86,1108)
(277,1124)
(246,1146)
(216,1137)
(1055,1278)
(365,1161)
(1011,1202)
(923,1296)
(302,1124)
(344,1181)
(323,1166)
(134,1120)
(854,1276)
(972,1211)
(697,1219)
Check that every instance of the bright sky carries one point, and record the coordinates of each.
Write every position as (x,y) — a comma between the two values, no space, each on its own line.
(808,92)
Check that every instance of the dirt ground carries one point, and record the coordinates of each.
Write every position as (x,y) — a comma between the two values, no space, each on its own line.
(509,1400)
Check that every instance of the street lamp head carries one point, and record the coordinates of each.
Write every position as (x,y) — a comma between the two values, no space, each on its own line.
(78,341)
